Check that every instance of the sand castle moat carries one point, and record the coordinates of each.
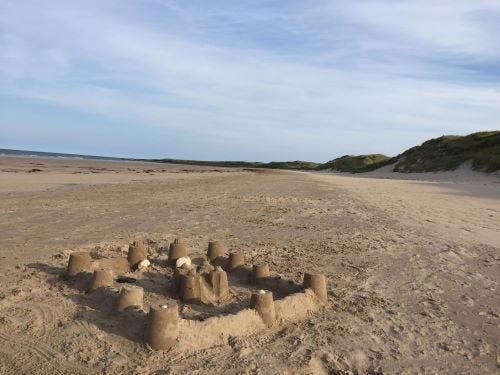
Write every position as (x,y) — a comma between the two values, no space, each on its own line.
(190,299)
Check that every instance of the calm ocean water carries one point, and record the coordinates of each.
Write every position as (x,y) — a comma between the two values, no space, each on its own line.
(39,154)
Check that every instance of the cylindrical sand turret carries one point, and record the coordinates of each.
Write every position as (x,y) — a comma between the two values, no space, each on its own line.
(175,286)
(190,287)
(215,249)
(317,283)
(79,262)
(163,326)
(236,260)
(137,252)
(130,295)
(101,278)
(178,279)
(262,301)
(260,273)
(178,249)
(219,283)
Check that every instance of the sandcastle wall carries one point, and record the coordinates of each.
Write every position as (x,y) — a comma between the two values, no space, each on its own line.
(216,330)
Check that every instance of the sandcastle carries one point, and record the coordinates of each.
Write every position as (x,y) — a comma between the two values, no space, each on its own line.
(137,252)
(231,290)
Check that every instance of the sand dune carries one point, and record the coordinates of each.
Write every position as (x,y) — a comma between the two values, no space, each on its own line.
(413,266)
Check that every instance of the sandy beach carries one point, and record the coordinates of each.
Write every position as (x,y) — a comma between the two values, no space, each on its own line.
(413,266)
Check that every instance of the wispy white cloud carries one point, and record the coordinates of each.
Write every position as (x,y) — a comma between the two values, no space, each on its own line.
(307,81)
(453,26)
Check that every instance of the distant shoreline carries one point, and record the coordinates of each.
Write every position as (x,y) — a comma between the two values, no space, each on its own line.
(209,163)
(57,155)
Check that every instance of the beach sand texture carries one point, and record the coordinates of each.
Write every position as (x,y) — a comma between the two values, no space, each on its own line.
(413,266)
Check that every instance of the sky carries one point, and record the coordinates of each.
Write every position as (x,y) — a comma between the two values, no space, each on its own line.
(245,80)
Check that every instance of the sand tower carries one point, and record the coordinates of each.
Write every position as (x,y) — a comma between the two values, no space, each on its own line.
(190,287)
(317,283)
(137,252)
(163,326)
(262,301)
(79,262)
(236,260)
(260,273)
(178,249)
(130,295)
(215,249)
(101,278)
(219,283)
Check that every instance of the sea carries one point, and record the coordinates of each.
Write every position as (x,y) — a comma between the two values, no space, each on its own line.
(41,154)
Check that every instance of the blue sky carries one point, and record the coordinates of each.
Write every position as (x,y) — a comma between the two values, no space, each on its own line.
(245,80)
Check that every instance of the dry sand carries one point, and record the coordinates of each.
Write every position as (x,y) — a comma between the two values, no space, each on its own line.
(413,266)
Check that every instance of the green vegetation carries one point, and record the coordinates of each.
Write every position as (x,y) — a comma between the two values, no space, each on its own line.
(237,164)
(440,154)
(449,152)
(357,164)
(297,164)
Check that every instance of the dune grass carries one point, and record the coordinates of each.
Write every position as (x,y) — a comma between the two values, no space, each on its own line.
(297,164)
(357,164)
(449,152)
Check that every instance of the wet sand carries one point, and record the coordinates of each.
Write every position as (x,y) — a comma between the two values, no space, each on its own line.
(413,266)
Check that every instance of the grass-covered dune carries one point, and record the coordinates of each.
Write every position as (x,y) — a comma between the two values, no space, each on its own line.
(439,154)
(445,153)
(356,164)
(450,151)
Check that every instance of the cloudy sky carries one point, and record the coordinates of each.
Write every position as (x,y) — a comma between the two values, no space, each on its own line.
(245,80)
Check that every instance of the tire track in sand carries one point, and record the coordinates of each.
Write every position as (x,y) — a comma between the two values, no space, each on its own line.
(27,358)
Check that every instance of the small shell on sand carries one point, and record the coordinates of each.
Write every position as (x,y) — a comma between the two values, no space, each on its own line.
(181,261)
(143,264)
